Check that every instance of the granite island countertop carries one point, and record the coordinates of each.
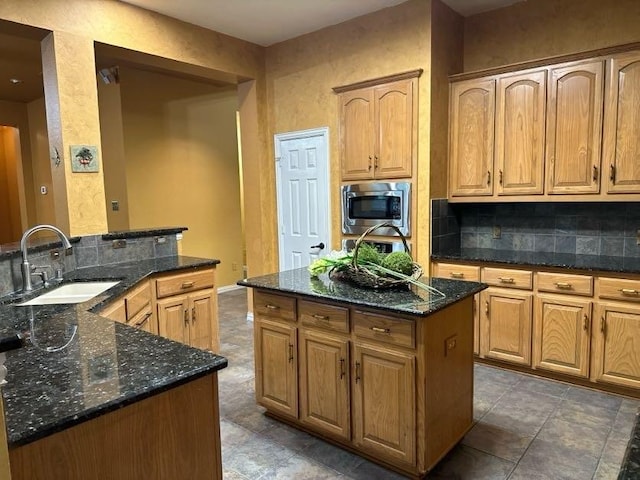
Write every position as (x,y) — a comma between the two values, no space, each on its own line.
(78,365)
(591,263)
(412,301)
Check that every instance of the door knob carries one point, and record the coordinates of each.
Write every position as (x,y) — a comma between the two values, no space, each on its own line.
(320,246)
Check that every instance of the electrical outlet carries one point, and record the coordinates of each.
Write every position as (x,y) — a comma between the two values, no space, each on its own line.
(115,205)
(497,231)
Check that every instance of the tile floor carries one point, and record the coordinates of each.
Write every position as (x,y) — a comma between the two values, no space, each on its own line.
(526,427)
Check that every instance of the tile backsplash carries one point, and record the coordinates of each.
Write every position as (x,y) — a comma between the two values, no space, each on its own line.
(609,229)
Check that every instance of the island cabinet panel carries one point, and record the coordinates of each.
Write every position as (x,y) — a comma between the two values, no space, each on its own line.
(384,402)
(324,383)
(471,132)
(520,123)
(621,143)
(617,340)
(562,334)
(171,435)
(276,366)
(134,308)
(574,127)
(506,321)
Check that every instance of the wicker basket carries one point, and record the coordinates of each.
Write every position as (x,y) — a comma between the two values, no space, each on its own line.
(365,277)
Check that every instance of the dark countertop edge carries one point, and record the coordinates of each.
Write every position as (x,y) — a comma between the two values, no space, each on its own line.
(629,468)
(145,232)
(435,306)
(10,250)
(455,257)
(108,407)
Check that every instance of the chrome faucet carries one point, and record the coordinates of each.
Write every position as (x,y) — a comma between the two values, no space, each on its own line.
(25,267)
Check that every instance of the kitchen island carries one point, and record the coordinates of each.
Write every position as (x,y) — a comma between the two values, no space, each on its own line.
(387,374)
(90,398)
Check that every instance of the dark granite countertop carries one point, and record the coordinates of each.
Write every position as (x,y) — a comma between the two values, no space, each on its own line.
(78,365)
(413,301)
(591,263)
(630,469)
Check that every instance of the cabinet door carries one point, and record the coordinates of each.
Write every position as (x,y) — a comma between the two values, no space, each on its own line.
(520,123)
(562,334)
(144,320)
(506,326)
(173,318)
(471,117)
(357,139)
(622,124)
(276,366)
(617,340)
(115,311)
(574,128)
(202,327)
(394,133)
(384,424)
(324,383)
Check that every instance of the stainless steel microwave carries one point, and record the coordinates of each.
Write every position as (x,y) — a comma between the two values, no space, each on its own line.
(367,204)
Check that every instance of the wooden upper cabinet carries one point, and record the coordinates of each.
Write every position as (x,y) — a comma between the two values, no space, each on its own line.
(378,127)
(520,124)
(574,128)
(471,116)
(394,134)
(621,143)
(356,131)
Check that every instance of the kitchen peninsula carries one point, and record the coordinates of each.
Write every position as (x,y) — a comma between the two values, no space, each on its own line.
(387,374)
(91,398)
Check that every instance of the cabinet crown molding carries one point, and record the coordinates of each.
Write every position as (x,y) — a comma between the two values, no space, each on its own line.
(378,81)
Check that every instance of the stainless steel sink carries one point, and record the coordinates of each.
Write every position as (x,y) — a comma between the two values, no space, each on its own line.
(76,292)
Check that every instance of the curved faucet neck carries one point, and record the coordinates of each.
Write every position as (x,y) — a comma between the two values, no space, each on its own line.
(38,228)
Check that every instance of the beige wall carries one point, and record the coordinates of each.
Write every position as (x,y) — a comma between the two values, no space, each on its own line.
(40,163)
(182,163)
(9,204)
(301,73)
(544,28)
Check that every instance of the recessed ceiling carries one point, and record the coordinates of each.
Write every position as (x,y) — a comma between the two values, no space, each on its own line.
(266,22)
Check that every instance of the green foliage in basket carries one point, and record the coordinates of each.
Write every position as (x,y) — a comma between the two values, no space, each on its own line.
(335,260)
(400,262)
(367,253)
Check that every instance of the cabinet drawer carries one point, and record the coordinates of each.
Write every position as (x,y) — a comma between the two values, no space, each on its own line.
(384,329)
(565,283)
(508,278)
(314,314)
(139,298)
(275,306)
(619,289)
(460,272)
(184,282)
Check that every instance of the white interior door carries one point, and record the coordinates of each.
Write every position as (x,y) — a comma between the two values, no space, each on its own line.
(302,176)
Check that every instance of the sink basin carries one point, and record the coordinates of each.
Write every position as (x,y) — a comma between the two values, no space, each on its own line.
(71,293)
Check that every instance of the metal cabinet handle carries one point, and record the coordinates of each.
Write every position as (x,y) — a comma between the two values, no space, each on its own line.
(585,324)
(357,372)
(595,173)
(187,284)
(612,173)
(320,317)
(342,373)
(486,307)
(271,307)
(144,320)
(290,353)
(369,162)
(629,291)
(381,330)
(193,313)
(602,325)
(375,162)
(506,280)
(186,315)
(563,285)
(488,177)
(500,176)
(457,275)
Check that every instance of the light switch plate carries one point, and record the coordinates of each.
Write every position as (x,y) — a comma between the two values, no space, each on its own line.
(497,231)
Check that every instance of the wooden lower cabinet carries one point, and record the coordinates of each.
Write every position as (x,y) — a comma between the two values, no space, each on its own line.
(562,334)
(617,344)
(189,319)
(396,389)
(324,383)
(506,320)
(384,402)
(276,366)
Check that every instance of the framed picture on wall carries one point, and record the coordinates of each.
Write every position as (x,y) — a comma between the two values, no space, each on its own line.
(84,158)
